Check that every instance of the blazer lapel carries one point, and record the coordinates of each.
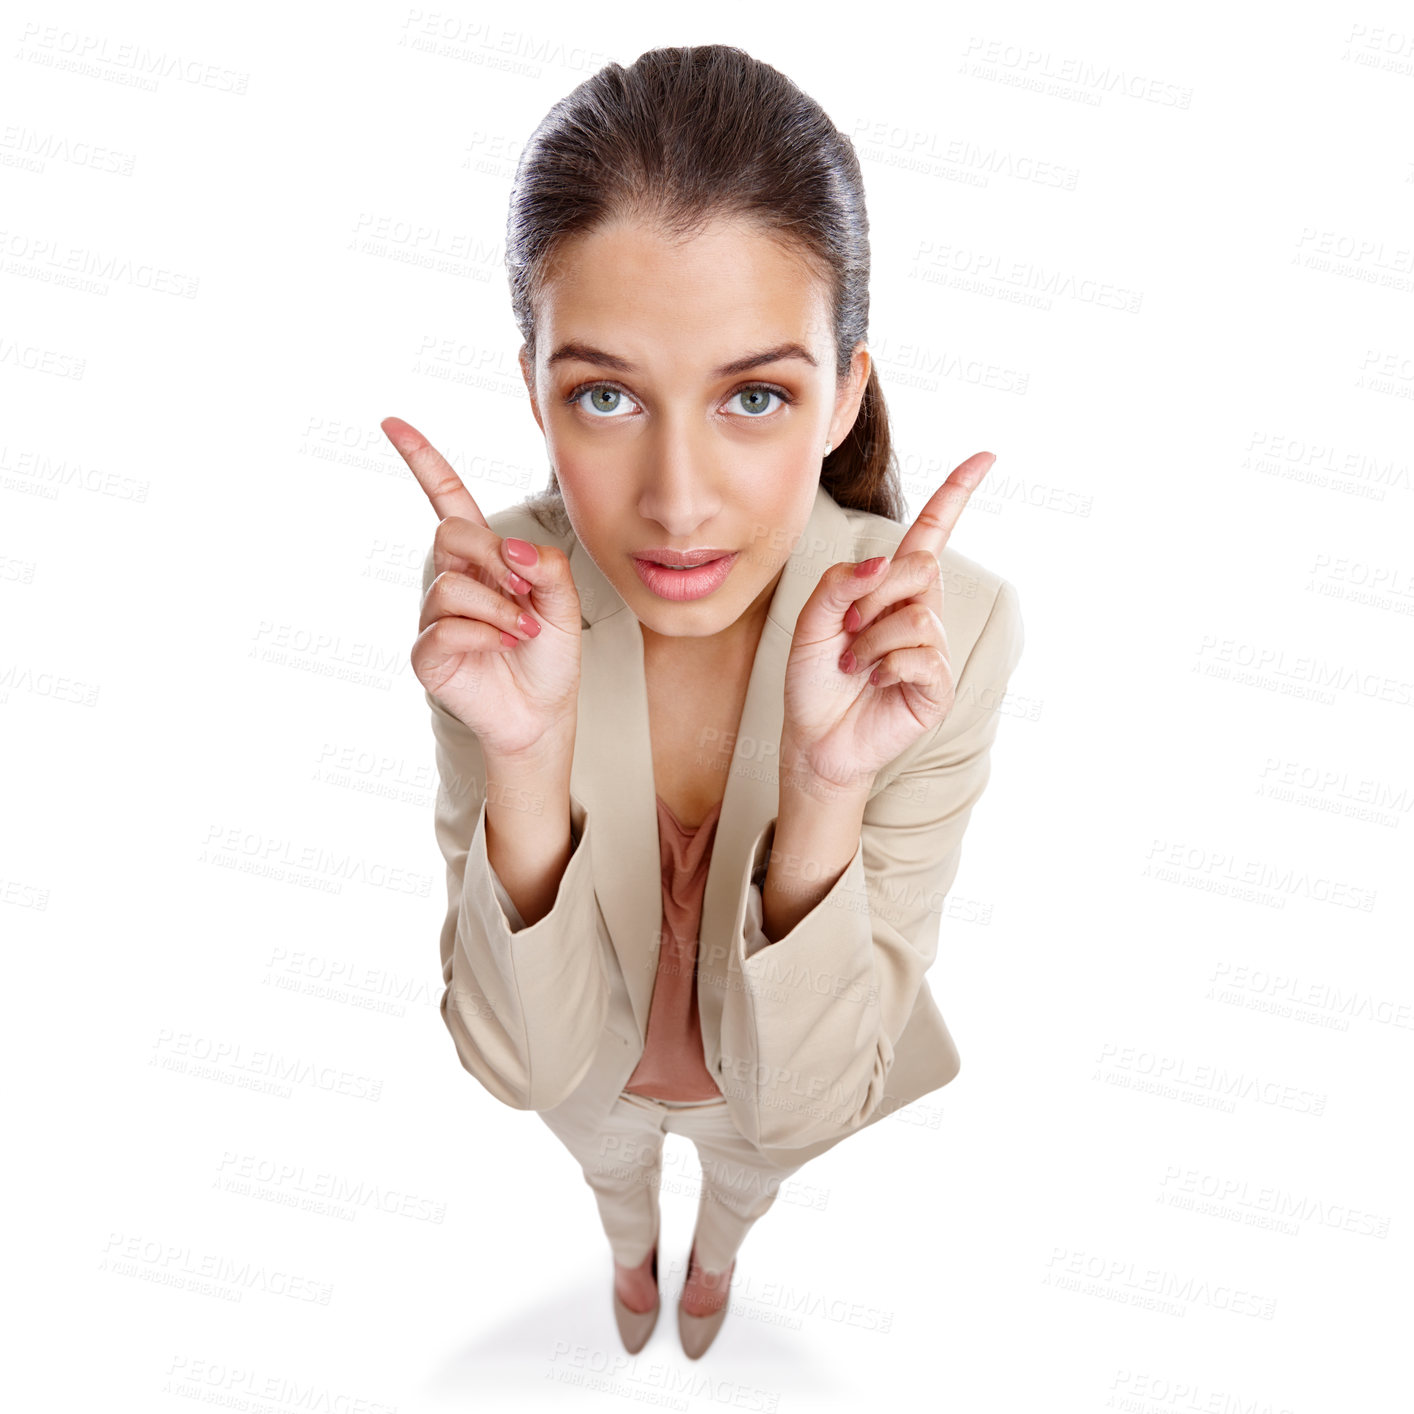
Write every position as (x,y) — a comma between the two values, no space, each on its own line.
(612,773)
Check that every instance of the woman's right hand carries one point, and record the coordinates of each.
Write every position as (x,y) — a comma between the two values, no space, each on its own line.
(516,690)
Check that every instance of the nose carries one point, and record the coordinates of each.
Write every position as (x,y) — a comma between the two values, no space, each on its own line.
(678,481)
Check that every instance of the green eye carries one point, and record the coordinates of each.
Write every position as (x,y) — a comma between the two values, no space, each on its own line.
(759,393)
(604,402)
(604,399)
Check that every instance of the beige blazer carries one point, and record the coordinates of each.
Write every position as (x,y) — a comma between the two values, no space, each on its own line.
(812,1037)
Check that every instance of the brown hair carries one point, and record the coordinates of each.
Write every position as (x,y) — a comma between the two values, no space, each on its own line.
(684,135)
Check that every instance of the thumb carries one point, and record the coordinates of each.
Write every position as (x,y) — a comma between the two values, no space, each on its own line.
(546,570)
(839,587)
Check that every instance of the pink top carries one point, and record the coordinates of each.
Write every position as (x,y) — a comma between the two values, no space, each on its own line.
(672,1065)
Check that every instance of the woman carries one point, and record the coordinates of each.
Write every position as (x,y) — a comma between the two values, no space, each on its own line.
(708,728)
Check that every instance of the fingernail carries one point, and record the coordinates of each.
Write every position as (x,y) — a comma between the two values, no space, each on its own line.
(869,566)
(528,626)
(847,661)
(520,551)
(852,619)
(518,584)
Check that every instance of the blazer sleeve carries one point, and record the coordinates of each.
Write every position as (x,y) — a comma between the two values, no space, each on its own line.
(810,1029)
(525,1006)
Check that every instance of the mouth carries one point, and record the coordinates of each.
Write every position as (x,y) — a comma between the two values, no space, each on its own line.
(691,574)
(682,559)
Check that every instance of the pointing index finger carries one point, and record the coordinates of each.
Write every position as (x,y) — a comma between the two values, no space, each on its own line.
(434,473)
(934,523)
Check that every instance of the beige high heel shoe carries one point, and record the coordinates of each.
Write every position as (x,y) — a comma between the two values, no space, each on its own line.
(698,1332)
(636,1326)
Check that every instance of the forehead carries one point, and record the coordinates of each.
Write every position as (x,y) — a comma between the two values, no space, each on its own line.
(629,288)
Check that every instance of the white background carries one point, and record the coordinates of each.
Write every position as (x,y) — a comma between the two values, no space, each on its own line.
(1161,265)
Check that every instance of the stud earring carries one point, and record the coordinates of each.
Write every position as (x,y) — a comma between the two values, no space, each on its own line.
(828,445)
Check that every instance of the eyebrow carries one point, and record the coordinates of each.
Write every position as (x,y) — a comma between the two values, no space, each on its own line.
(587,353)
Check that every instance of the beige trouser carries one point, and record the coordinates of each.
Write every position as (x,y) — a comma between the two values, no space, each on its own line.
(622,1161)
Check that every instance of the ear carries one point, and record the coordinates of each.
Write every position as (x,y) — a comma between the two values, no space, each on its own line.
(850,395)
(527,371)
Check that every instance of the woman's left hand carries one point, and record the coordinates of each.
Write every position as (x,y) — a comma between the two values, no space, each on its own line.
(840,727)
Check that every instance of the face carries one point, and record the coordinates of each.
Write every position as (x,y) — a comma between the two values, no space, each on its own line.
(661,439)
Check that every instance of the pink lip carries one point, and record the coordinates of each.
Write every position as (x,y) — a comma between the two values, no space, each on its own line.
(666,555)
(681,586)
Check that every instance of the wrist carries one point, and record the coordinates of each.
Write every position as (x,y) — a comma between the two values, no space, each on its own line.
(810,782)
(551,755)
(816,834)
